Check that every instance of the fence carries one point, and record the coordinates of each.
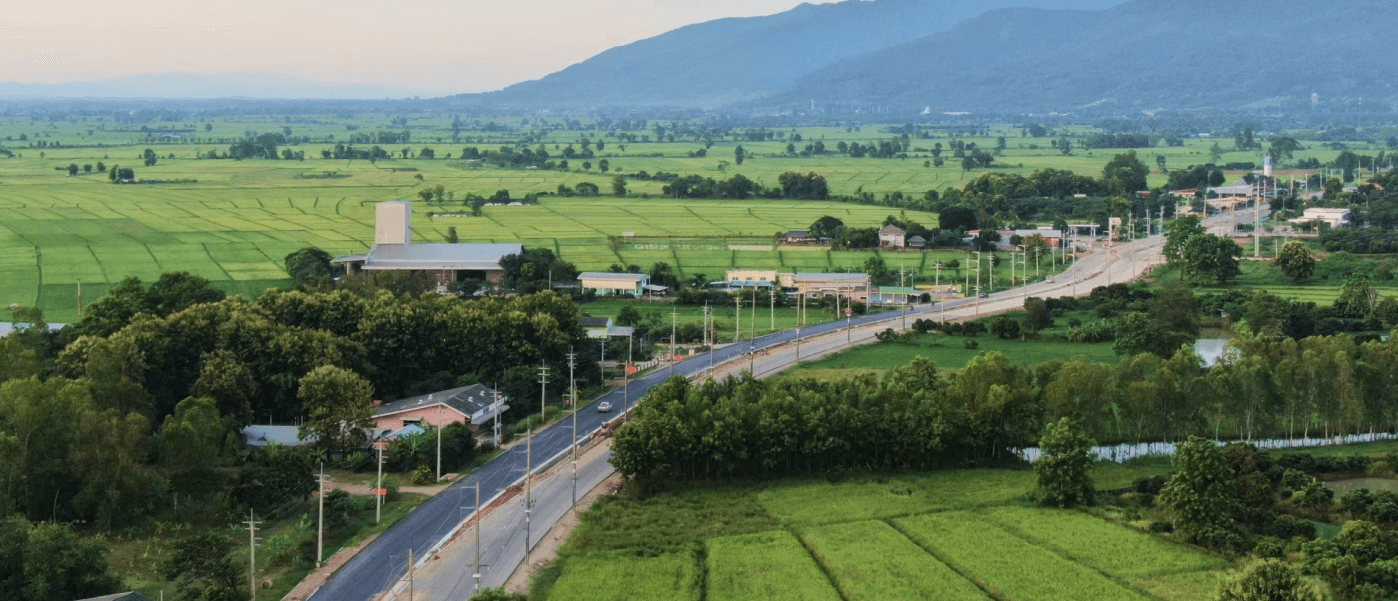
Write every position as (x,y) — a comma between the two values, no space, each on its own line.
(1127,451)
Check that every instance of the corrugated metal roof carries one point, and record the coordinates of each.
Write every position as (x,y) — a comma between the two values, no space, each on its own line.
(829,277)
(613,277)
(463,257)
(466,401)
(261,436)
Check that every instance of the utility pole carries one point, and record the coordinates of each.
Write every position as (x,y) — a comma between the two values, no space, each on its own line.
(904,289)
(737,319)
(495,389)
(529,461)
(320,517)
(978,283)
(410,574)
(849,315)
(626,377)
(672,342)
(573,395)
(772,300)
(709,341)
(477,570)
(753,326)
(378,488)
(439,443)
(252,553)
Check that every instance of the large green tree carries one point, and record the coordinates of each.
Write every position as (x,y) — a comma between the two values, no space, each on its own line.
(1064,471)
(1177,233)
(338,404)
(1210,259)
(1296,261)
(309,266)
(1199,497)
(1125,174)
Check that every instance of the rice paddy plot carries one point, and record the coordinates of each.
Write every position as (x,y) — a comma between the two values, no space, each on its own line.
(622,577)
(766,566)
(1116,550)
(820,502)
(870,561)
(1006,565)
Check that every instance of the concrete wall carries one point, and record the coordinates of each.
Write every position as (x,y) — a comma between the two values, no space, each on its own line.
(393,222)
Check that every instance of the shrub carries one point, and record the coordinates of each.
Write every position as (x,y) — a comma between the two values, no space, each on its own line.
(1268,547)
(1161,527)
(424,475)
(1289,526)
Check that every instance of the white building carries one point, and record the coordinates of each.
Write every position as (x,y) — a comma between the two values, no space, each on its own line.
(394,250)
(634,284)
(1333,217)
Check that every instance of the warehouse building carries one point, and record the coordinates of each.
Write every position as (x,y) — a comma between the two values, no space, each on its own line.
(394,250)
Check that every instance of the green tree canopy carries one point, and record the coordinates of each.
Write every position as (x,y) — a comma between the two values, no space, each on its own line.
(338,403)
(48,561)
(1199,497)
(1268,580)
(1296,261)
(1064,469)
(1125,174)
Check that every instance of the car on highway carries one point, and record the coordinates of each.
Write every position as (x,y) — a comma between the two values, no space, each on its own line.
(604,407)
(985,295)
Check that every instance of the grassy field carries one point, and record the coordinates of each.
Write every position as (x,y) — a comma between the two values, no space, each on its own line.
(872,538)
(948,352)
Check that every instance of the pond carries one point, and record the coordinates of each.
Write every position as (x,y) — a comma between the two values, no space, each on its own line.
(1210,349)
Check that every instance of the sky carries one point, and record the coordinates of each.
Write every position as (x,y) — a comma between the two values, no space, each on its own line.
(427,47)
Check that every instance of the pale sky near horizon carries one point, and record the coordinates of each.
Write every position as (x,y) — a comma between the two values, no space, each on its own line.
(418,46)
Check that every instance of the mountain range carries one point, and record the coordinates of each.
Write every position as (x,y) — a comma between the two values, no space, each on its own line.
(726,61)
(1035,56)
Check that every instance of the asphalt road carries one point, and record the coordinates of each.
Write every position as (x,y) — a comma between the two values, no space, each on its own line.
(377,567)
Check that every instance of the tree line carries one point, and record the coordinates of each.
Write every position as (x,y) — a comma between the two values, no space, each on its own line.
(920,417)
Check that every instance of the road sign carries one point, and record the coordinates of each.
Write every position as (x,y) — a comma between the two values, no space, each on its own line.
(382,492)
(631,368)
(849,311)
(679,357)
(381,445)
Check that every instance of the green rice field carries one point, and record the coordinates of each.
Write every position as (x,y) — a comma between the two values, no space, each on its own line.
(233,221)
(764,566)
(949,352)
(671,576)
(959,535)
(1007,565)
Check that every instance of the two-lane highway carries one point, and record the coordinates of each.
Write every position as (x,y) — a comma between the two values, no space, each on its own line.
(375,568)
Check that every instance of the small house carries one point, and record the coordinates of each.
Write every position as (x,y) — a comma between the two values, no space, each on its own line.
(474,404)
(892,236)
(917,242)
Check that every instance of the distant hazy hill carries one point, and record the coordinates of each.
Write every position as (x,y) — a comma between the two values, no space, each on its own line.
(734,60)
(1140,55)
(193,85)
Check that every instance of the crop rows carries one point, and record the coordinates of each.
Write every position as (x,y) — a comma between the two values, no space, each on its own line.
(765,566)
(1121,552)
(621,577)
(1006,564)
(871,561)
